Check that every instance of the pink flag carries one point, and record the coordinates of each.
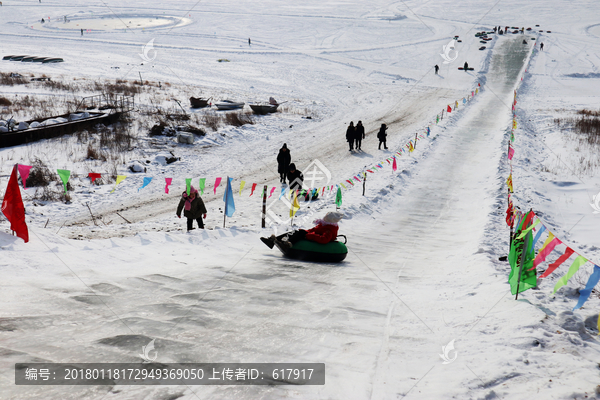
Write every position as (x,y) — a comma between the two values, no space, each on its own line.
(394,166)
(511,153)
(557,263)
(272,190)
(217,183)
(24,172)
(168,182)
(472,94)
(545,251)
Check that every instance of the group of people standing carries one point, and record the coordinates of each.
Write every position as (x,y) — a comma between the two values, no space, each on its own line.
(355,135)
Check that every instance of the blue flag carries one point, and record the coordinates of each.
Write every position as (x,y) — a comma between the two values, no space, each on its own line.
(146,182)
(584,294)
(428,131)
(228,199)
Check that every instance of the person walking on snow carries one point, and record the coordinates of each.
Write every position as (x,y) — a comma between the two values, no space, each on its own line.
(283,162)
(350,135)
(326,231)
(382,135)
(542,46)
(437,68)
(359,133)
(295,178)
(194,208)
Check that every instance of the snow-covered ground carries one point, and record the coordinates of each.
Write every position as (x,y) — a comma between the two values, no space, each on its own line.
(424,242)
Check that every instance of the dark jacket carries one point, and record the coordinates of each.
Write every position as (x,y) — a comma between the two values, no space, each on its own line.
(196,210)
(359,132)
(283,161)
(296,179)
(381,135)
(350,132)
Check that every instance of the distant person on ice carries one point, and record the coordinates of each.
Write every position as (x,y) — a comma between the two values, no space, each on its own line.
(295,177)
(326,231)
(350,135)
(466,66)
(359,133)
(382,136)
(194,208)
(283,162)
(542,46)
(436,69)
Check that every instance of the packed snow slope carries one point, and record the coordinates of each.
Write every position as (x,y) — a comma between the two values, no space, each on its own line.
(423,267)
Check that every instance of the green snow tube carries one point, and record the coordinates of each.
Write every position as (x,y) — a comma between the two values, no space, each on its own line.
(307,250)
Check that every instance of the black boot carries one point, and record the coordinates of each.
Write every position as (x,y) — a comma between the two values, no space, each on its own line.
(270,241)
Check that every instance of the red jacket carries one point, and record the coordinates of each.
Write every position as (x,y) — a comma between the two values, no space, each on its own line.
(322,233)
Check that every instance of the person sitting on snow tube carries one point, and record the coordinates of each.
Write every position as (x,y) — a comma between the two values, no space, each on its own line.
(326,231)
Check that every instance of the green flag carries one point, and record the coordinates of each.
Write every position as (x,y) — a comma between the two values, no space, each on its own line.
(188,185)
(201,185)
(338,197)
(64,177)
(579,261)
(515,258)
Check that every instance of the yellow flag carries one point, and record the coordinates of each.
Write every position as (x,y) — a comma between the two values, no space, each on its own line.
(342,185)
(411,148)
(509,183)
(295,205)
(242,184)
(120,179)
(476,90)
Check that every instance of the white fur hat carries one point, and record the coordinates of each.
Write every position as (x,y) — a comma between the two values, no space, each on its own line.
(333,217)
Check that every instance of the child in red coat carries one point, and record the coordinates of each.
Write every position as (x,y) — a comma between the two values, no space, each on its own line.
(326,231)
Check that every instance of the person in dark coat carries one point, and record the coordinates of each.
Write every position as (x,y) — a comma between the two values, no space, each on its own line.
(350,135)
(382,136)
(283,162)
(359,133)
(466,66)
(194,208)
(437,68)
(542,46)
(295,178)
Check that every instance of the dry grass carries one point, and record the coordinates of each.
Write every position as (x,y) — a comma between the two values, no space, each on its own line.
(238,119)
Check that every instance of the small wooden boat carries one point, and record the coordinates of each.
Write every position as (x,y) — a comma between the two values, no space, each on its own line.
(52,60)
(229,105)
(198,102)
(17,58)
(263,109)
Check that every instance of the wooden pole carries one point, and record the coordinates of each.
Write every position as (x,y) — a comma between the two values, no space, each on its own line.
(224,217)
(141,82)
(415,140)
(264,206)
(364,183)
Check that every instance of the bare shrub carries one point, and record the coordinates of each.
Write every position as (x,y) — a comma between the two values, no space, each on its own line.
(5,102)
(10,79)
(95,153)
(40,175)
(238,119)
(212,121)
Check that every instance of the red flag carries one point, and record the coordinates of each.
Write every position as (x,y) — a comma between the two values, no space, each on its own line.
(94,175)
(13,208)
(557,263)
(479,84)
(253,187)
(449,109)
